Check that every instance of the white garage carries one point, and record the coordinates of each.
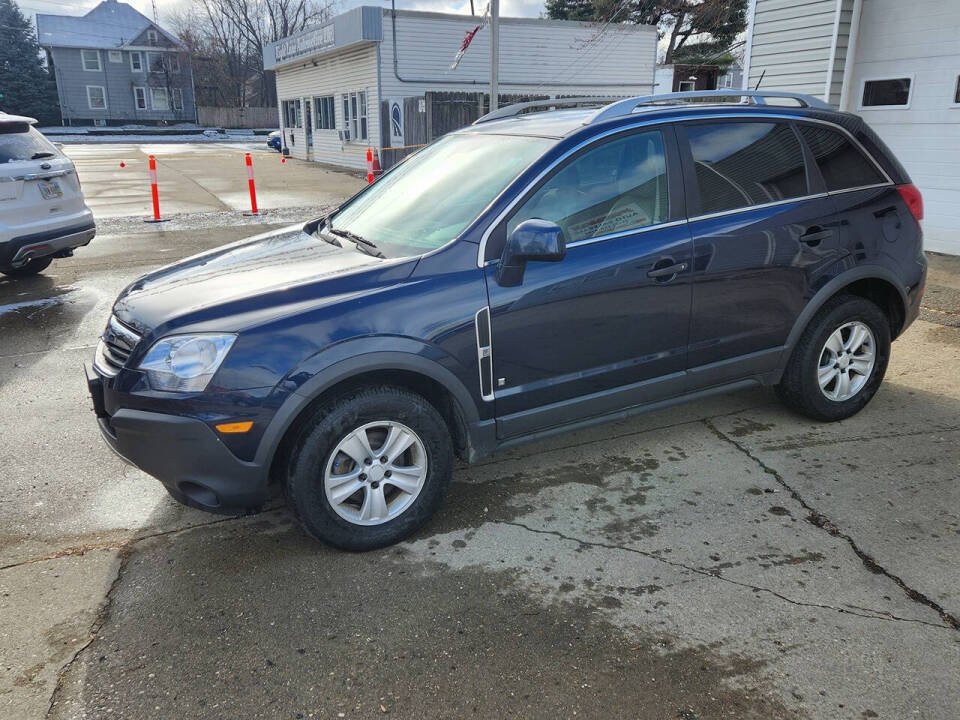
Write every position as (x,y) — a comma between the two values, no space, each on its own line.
(895,63)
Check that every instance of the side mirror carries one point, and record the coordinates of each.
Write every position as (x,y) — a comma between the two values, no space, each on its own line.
(532,240)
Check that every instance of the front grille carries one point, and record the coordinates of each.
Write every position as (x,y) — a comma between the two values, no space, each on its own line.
(114,348)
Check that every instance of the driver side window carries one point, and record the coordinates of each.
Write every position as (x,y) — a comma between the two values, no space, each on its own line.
(617,186)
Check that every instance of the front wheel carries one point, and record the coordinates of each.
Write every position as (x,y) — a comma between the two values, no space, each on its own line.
(33,267)
(840,360)
(369,468)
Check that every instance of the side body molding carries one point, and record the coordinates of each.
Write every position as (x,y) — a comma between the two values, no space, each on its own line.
(355,357)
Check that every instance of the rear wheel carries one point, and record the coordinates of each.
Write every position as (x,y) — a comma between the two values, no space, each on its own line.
(369,468)
(33,267)
(840,360)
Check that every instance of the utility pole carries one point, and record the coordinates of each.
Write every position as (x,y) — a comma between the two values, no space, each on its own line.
(494,54)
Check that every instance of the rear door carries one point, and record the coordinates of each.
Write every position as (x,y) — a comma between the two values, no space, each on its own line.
(606,327)
(37,182)
(762,229)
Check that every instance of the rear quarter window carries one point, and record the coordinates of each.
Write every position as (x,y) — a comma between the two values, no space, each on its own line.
(740,164)
(841,163)
(19,142)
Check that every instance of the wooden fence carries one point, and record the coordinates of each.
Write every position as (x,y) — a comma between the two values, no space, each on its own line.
(232,117)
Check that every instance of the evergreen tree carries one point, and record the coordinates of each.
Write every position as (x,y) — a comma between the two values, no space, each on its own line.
(717,22)
(25,84)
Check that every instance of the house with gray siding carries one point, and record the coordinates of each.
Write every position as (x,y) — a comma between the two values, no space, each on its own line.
(114,66)
(373,77)
(895,63)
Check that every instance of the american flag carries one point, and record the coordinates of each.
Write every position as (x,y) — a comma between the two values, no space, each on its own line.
(468,38)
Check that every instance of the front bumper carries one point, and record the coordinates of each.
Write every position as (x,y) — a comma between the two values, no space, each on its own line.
(184,454)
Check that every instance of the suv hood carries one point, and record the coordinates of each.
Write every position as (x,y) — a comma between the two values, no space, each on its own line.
(258,275)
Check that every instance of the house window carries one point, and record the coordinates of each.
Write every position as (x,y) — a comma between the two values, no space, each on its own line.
(894,92)
(91,60)
(136,61)
(140,98)
(177,95)
(152,37)
(155,62)
(96,97)
(159,99)
(687,86)
(355,116)
(174,62)
(323,113)
(115,56)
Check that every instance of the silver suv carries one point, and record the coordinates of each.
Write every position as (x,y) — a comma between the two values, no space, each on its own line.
(42,211)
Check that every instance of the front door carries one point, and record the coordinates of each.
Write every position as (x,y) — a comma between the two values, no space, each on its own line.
(606,327)
(762,227)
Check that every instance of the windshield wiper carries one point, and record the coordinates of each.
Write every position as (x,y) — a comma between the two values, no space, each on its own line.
(363,245)
(41,155)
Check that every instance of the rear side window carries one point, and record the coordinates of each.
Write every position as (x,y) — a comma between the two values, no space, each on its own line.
(841,163)
(19,141)
(618,186)
(739,164)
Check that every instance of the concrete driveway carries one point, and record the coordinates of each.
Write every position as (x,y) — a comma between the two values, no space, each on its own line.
(723,559)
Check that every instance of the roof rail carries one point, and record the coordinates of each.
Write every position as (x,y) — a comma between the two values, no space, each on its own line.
(518,108)
(753,97)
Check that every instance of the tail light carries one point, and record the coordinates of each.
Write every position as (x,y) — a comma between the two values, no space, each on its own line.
(914,200)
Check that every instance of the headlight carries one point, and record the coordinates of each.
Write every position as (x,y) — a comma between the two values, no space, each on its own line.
(185,363)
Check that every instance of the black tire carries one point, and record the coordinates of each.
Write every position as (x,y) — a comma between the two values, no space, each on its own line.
(799,388)
(33,267)
(330,423)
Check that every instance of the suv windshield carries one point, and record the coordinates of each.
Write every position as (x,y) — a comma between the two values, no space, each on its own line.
(19,141)
(432,197)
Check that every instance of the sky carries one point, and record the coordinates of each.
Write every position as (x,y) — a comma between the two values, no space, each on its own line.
(508,8)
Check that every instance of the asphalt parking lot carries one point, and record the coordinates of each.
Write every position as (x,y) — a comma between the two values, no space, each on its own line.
(719,560)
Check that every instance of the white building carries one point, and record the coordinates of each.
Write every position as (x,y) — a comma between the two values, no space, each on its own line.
(365,78)
(895,63)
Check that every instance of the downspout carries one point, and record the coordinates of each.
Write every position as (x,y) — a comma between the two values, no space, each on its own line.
(752,15)
(828,81)
(447,81)
(851,56)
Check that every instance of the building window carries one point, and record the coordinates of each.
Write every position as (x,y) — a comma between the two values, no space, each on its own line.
(355,116)
(96,97)
(323,113)
(894,92)
(136,61)
(687,86)
(739,164)
(115,56)
(159,99)
(91,60)
(174,62)
(155,62)
(292,114)
(152,37)
(177,94)
(140,98)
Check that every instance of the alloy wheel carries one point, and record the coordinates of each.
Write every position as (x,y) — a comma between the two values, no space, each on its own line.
(375,473)
(846,361)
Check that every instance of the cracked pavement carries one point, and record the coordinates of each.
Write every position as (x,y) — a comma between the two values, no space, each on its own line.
(722,559)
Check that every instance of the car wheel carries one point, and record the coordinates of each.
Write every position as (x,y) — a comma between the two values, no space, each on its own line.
(839,362)
(33,267)
(369,468)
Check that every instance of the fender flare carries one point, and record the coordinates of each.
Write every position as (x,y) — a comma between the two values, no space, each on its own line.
(346,361)
(861,272)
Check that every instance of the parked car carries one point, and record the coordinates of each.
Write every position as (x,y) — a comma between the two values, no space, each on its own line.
(42,211)
(274,140)
(524,276)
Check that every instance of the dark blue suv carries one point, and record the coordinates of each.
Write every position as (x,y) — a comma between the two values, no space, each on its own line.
(530,274)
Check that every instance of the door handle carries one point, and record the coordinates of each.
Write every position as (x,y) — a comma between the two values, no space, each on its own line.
(815,235)
(668,271)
